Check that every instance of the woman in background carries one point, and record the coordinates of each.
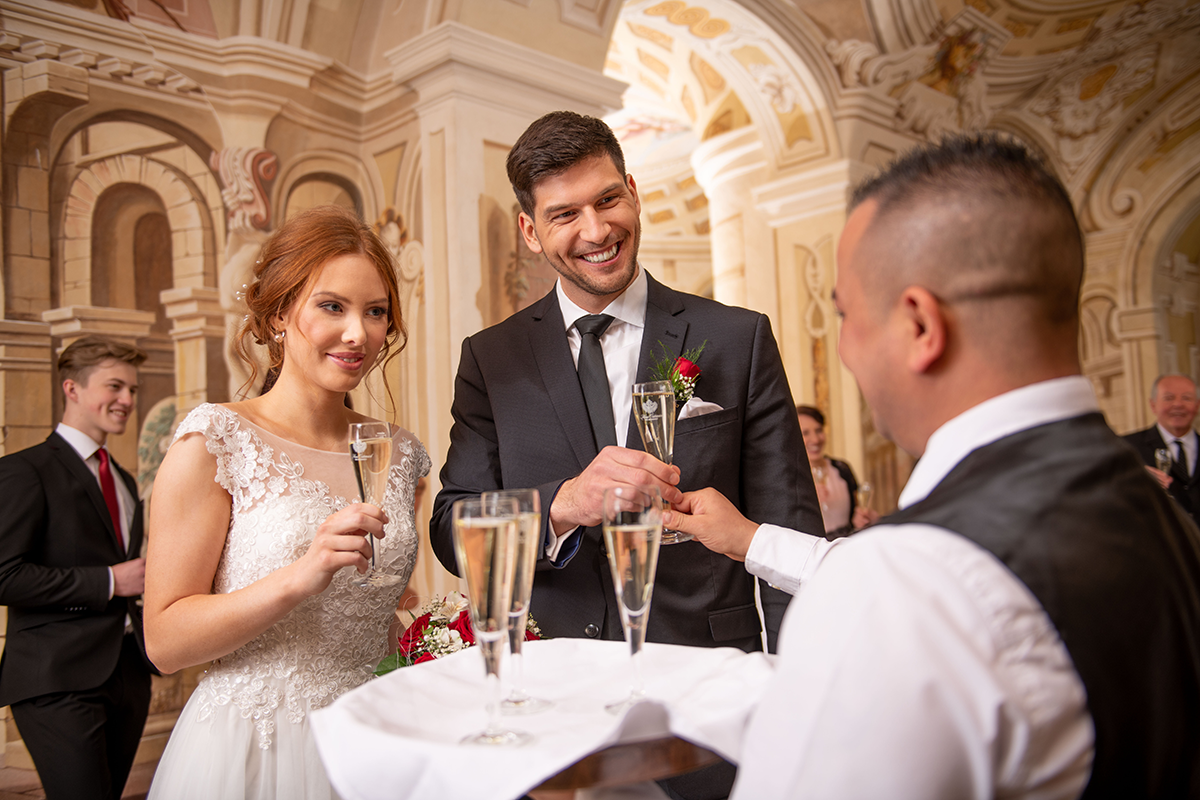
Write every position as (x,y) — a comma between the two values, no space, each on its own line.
(257,532)
(837,488)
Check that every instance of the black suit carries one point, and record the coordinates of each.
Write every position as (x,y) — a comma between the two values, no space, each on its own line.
(1184,488)
(520,421)
(79,686)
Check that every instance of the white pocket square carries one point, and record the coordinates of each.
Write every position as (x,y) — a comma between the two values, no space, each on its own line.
(697,407)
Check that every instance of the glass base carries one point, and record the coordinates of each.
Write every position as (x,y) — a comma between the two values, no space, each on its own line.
(519,707)
(498,738)
(675,537)
(374,578)
(619,706)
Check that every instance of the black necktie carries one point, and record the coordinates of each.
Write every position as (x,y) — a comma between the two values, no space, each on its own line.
(593,378)
(1180,458)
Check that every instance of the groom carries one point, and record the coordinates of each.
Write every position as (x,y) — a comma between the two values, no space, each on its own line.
(524,416)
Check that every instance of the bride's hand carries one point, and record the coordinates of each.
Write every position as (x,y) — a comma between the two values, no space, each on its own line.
(341,542)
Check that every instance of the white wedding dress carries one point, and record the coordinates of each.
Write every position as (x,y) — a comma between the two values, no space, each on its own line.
(244,733)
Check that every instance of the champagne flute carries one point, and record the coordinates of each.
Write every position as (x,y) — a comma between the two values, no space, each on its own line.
(654,412)
(371,455)
(485,543)
(863,494)
(632,535)
(1162,459)
(529,540)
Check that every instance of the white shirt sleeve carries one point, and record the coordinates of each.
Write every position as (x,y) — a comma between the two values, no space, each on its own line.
(785,558)
(913,664)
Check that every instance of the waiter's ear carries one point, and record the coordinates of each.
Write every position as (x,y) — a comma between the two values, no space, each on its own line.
(525,223)
(70,390)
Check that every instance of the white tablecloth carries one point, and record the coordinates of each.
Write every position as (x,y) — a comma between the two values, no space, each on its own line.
(398,736)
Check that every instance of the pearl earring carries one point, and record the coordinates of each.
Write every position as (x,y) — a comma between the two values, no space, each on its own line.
(279,335)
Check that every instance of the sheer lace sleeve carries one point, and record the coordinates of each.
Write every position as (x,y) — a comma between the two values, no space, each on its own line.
(242,458)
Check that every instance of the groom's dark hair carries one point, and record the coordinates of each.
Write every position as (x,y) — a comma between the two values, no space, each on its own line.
(554,144)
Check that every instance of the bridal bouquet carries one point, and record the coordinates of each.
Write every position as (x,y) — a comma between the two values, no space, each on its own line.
(443,627)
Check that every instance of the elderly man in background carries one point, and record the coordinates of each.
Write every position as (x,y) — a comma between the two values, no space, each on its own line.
(1173,401)
(1028,623)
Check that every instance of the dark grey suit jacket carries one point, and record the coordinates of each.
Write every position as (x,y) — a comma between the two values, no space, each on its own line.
(56,544)
(1185,489)
(520,422)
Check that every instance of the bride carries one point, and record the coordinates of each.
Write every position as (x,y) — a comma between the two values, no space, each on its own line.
(256,532)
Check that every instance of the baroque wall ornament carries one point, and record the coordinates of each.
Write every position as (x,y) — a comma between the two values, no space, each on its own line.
(246,174)
(939,86)
(1085,96)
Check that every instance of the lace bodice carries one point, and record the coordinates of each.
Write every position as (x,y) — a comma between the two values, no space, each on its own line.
(281,493)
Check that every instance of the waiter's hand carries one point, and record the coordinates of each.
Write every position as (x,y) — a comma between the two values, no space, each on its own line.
(579,500)
(129,578)
(1164,480)
(714,521)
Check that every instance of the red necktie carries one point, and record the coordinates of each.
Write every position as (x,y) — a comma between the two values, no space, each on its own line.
(110,494)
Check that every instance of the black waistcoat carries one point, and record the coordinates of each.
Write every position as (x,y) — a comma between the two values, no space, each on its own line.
(1070,509)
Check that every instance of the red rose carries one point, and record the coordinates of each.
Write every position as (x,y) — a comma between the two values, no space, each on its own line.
(530,636)
(421,659)
(411,638)
(687,369)
(462,624)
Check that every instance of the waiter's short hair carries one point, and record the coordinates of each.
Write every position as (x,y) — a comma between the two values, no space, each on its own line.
(1040,254)
(82,356)
(552,145)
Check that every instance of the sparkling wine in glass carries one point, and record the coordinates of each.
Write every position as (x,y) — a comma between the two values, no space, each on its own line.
(485,543)
(654,412)
(371,455)
(529,540)
(1162,459)
(632,535)
(863,494)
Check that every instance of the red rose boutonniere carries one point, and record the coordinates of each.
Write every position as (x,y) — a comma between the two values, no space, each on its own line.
(681,371)
(443,627)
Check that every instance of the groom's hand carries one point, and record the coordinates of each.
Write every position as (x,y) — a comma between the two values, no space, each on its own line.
(580,499)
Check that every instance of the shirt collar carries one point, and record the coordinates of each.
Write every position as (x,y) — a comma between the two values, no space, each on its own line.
(1169,437)
(992,420)
(83,444)
(629,307)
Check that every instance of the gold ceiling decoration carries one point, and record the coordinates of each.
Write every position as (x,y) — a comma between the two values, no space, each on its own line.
(695,19)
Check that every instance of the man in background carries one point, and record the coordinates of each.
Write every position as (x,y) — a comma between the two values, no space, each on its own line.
(74,668)
(1173,401)
(1028,623)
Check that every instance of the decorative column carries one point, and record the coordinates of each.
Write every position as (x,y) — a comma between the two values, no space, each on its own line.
(26,388)
(476,94)
(74,322)
(198,331)
(729,166)
(247,176)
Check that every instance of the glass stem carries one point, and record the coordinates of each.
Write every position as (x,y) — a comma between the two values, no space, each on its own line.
(639,685)
(491,657)
(517,681)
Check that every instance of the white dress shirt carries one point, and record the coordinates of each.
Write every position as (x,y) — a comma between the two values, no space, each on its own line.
(87,447)
(913,663)
(622,345)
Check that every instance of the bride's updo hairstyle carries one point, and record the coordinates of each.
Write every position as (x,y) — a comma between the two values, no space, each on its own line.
(288,263)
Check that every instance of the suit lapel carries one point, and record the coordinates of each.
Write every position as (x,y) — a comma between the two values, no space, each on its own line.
(548,340)
(665,328)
